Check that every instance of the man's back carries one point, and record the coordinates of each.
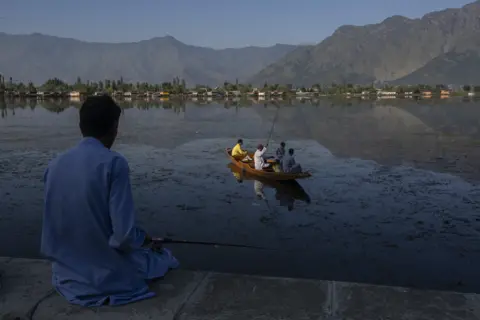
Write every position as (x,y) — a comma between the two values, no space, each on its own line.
(237,151)
(288,162)
(77,226)
(259,161)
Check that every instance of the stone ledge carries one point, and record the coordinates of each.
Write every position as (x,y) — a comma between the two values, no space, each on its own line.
(201,295)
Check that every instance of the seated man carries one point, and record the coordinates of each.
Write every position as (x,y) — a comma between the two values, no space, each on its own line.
(98,254)
(259,159)
(289,165)
(240,154)
(280,153)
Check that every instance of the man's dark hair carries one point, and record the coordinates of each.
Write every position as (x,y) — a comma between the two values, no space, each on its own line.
(239,141)
(282,144)
(98,115)
(290,151)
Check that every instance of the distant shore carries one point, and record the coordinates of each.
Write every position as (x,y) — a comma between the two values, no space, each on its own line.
(177,88)
(61,103)
(261,97)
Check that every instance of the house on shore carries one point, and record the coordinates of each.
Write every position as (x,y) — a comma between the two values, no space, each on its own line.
(130,94)
(426,94)
(234,93)
(74,94)
(389,94)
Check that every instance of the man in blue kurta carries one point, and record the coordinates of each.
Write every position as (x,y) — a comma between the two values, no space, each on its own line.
(99,256)
(289,165)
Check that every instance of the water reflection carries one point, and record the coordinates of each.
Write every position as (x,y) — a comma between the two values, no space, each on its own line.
(439,135)
(368,221)
(178,105)
(286,192)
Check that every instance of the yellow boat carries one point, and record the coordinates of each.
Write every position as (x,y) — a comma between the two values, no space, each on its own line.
(248,167)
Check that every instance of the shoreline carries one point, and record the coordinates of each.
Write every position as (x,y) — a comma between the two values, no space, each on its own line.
(183,294)
(245,98)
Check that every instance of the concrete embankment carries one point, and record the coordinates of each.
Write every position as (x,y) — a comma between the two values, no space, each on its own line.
(26,293)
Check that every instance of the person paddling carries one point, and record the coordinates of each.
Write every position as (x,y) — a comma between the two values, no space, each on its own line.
(98,254)
(259,158)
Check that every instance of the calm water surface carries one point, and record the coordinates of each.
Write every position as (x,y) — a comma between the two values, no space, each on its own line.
(394,197)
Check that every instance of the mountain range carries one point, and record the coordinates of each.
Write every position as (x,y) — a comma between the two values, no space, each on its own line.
(441,47)
(38,57)
(432,49)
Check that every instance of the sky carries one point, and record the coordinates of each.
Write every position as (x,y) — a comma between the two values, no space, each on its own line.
(209,23)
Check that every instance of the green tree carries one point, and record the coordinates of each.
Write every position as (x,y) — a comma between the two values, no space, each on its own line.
(31,87)
(467,88)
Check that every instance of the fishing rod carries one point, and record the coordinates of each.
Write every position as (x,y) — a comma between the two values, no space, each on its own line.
(273,125)
(205,243)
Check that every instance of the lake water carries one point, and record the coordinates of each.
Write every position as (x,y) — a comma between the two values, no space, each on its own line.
(394,197)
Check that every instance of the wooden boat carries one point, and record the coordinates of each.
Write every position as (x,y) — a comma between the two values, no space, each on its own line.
(248,167)
(286,189)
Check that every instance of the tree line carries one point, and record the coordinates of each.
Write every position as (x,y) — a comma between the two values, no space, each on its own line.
(179,86)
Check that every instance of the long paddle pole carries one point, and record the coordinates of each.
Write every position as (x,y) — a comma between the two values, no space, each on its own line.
(273,125)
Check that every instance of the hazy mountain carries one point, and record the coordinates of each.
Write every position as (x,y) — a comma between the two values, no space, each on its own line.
(449,68)
(39,57)
(386,51)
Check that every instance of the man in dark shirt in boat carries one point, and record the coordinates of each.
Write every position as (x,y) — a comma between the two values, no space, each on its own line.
(289,164)
(280,153)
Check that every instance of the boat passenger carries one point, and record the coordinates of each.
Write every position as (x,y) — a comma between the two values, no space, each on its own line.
(280,153)
(240,154)
(289,165)
(98,254)
(258,157)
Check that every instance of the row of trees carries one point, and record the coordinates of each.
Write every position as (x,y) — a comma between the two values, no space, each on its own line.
(178,86)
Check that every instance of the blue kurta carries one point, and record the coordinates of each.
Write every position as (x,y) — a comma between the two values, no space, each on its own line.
(89,229)
(289,165)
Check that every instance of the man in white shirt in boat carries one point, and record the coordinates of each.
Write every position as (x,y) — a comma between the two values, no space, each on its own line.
(259,159)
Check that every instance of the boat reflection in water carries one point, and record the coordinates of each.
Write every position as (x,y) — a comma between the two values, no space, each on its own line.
(286,191)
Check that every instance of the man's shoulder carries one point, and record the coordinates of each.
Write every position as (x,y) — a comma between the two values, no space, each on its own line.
(101,156)
(62,155)
(118,158)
